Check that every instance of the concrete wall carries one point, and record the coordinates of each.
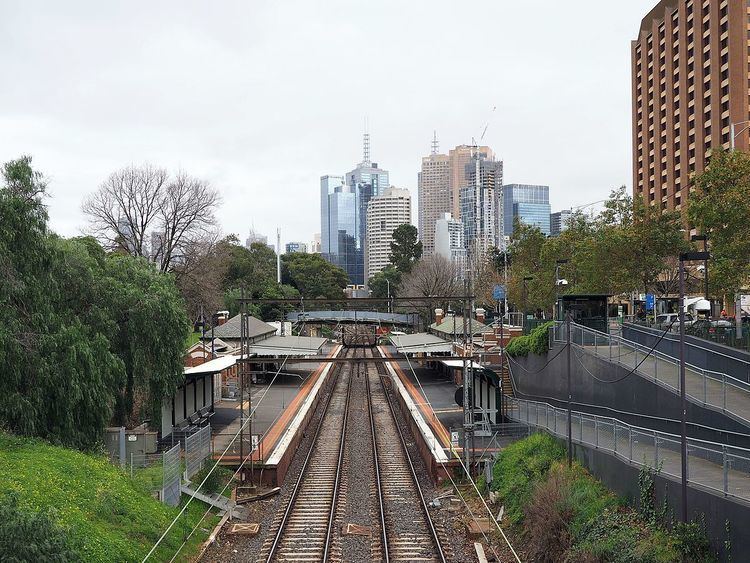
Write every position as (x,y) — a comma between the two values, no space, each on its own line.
(698,352)
(635,400)
(622,478)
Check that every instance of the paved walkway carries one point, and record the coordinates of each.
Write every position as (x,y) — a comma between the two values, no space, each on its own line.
(640,448)
(713,390)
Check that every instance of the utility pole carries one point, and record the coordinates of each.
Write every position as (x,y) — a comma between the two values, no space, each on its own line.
(471,372)
(683,403)
(278,256)
(243,359)
(467,411)
(570,392)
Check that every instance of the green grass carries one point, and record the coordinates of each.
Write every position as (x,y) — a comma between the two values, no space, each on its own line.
(107,515)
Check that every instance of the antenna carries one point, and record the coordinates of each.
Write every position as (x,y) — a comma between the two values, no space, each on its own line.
(435,144)
(366,143)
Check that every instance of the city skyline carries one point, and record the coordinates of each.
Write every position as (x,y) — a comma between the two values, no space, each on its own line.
(232,128)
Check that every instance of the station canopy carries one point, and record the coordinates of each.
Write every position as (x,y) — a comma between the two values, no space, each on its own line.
(287,346)
(420,343)
(212,366)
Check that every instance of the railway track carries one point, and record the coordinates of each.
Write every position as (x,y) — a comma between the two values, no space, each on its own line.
(400,525)
(304,529)
(407,532)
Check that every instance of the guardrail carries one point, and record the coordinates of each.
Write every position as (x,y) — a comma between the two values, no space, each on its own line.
(711,389)
(717,467)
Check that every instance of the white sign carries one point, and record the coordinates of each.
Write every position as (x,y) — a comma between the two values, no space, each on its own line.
(454,439)
(255,442)
(745,303)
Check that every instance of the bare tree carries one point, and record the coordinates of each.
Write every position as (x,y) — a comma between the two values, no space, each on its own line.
(431,277)
(144,212)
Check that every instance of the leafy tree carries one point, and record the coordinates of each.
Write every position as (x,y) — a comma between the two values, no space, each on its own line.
(313,276)
(406,249)
(719,207)
(379,283)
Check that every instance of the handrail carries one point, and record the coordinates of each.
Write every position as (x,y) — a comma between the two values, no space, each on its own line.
(656,353)
(628,442)
(672,338)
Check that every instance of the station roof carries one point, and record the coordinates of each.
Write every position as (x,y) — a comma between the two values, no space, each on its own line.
(420,343)
(288,346)
(455,325)
(460,364)
(230,330)
(212,366)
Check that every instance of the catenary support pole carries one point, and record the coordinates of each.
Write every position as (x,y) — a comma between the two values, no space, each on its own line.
(683,400)
(570,392)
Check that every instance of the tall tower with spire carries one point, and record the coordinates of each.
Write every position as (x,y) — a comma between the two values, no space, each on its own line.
(366,181)
(434,194)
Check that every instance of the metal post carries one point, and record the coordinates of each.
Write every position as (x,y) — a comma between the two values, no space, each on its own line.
(467,411)
(471,375)
(570,394)
(726,469)
(683,399)
(242,382)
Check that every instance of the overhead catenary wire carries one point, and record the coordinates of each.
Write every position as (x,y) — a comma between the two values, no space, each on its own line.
(184,508)
(471,480)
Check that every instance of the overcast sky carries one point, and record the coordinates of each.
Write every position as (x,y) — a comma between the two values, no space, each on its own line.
(262,98)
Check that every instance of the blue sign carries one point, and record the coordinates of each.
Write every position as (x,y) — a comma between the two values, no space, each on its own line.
(650,301)
(498,293)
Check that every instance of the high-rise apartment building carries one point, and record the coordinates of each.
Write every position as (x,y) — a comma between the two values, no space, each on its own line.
(480,203)
(340,243)
(434,195)
(385,213)
(291,247)
(449,242)
(690,85)
(315,244)
(458,158)
(529,204)
(559,221)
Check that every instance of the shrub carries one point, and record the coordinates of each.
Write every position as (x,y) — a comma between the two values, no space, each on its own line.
(546,518)
(520,467)
(536,342)
(27,535)
(215,482)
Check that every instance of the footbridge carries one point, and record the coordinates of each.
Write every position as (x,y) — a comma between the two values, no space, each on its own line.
(346,317)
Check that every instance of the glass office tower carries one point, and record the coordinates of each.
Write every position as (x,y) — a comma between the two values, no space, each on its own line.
(530,204)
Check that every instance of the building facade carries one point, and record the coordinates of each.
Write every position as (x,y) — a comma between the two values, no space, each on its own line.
(480,201)
(690,84)
(315,244)
(458,158)
(340,243)
(559,221)
(385,213)
(527,203)
(295,247)
(449,242)
(434,195)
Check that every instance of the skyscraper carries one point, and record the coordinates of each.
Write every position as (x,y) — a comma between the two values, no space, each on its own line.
(480,204)
(458,158)
(690,86)
(559,221)
(449,242)
(291,247)
(339,239)
(434,195)
(384,214)
(529,204)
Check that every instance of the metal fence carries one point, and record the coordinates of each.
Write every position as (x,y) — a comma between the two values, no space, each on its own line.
(197,449)
(717,467)
(170,492)
(720,334)
(708,388)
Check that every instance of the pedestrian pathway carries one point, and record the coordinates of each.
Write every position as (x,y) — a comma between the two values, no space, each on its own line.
(711,389)
(724,470)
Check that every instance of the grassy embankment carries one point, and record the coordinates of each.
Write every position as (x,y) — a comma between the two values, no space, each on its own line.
(566,515)
(105,515)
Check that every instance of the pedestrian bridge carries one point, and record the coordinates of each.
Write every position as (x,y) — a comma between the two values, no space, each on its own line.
(401,319)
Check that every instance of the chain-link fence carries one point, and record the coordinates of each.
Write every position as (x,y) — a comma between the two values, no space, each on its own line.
(170,492)
(197,449)
(718,467)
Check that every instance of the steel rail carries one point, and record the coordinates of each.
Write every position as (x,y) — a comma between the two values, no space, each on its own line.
(300,479)
(415,479)
(381,500)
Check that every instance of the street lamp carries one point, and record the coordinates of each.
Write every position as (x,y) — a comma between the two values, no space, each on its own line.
(558,283)
(733,135)
(703,238)
(685,257)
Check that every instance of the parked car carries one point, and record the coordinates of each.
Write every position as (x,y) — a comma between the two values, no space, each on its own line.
(666,320)
(702,327)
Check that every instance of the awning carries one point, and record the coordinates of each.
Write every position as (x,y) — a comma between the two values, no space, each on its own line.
(420,343)
(460,364)
(288,346)
(213,366)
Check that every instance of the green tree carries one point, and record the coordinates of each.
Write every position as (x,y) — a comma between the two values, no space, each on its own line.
(379,283)
(719,207)
(406,249)
(313,276)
